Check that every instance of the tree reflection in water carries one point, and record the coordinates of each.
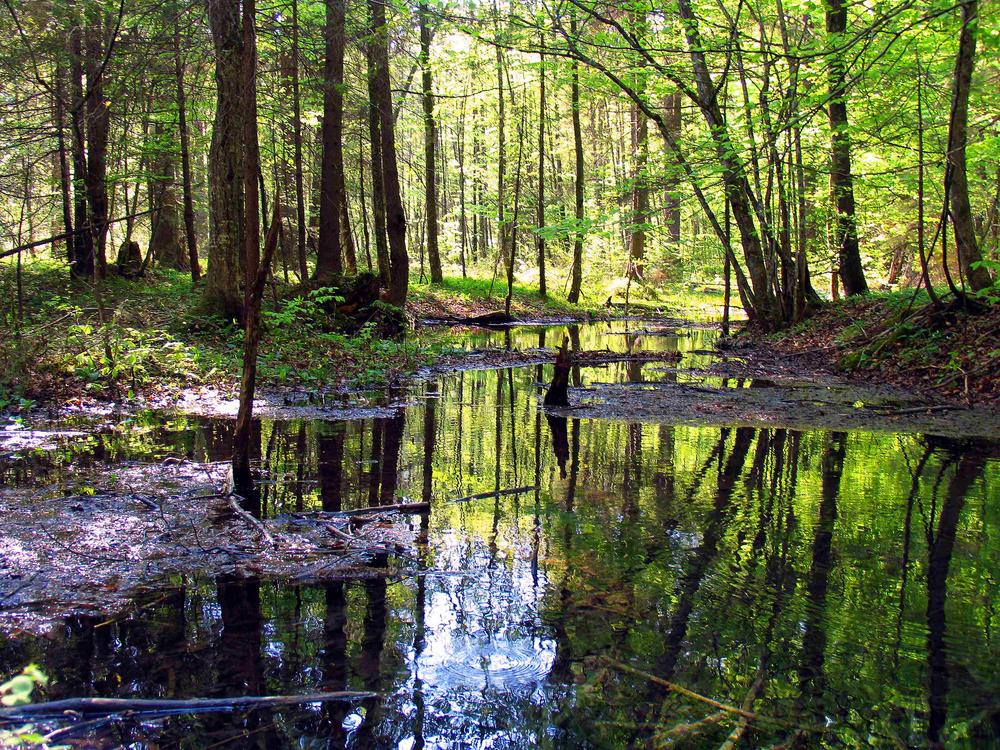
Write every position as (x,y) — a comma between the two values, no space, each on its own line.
(842,581)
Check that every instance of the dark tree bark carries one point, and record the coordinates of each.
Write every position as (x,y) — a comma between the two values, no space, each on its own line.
(255,267)
(329,255)
(841,180)
(378,190)
(225,163)
(300,197)
(378,48)
(187,181)
(958,183)
(98,128)
(82,257)
(576,279)
(672,201)
(165,241)
(62,164)
(640,195)
(430,146)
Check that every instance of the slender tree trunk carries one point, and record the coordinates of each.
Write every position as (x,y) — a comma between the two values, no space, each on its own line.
(399,272)
(430,143)
(255,267)
(672,202)
(329,257)
(300,198)
(640,196)
(225,164)
(378,190)
(82,262)
(64,177)
(576,280)
(540,208)
(841,180)
(463,221)
(187,181)
(765,308)
(165,242)
(98,129)
(501,146)
(961,209)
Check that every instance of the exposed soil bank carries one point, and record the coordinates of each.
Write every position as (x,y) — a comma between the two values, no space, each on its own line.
(953,354)
(94,549)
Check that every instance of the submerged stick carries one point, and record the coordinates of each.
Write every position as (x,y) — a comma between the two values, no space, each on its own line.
(681,690)
(250,520)
(95,706)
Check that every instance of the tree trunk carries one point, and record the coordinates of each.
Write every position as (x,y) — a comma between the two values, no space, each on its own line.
(399,272)
(255,267)
(98,129)
(165,242)
(430,144)
(300,198)
(958,193)
(765,308)
(640,196)
(672,201)
(329,254)
(841,181)
(187,181)
(540,207)
(501,147)
(225,164)
(378,188)
(576,279)
(82,261)
(62,164)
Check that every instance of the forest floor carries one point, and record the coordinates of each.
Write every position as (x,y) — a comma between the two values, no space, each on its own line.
(893,338)
(146,341)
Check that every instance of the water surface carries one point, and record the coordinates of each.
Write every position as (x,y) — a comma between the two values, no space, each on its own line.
(843,586)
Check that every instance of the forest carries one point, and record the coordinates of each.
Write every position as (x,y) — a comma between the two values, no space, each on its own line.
(557,373)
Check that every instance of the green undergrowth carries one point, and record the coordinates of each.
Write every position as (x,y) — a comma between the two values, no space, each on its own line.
(124,338)
(455,294)
(469,296)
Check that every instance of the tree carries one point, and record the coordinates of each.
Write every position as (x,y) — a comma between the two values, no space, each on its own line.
(226,163)
(841,180)
(378,49)
(430,145)
(576,279)
(330,247)
(956,180)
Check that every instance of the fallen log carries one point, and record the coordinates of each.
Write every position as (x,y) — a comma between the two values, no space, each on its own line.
(398,507)
(495,493)
(103,706)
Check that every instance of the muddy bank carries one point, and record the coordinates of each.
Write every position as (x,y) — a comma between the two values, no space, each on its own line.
(92,548)
(773,398)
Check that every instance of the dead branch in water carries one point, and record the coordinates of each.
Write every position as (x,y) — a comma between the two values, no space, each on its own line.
(234,504)
(103,706)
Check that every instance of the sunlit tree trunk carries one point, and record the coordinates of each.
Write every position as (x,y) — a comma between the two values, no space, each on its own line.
(187,181)
(430,146)
(329,254)
(961,210)
(841,180)
(540,208)
(576,279)
(378,47)
(225,163)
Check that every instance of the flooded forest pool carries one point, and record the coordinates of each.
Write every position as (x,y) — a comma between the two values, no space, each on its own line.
(830,588)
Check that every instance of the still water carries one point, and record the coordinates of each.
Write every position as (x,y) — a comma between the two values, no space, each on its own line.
(841,587)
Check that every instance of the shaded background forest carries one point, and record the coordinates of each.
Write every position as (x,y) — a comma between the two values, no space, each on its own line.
(576,145)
